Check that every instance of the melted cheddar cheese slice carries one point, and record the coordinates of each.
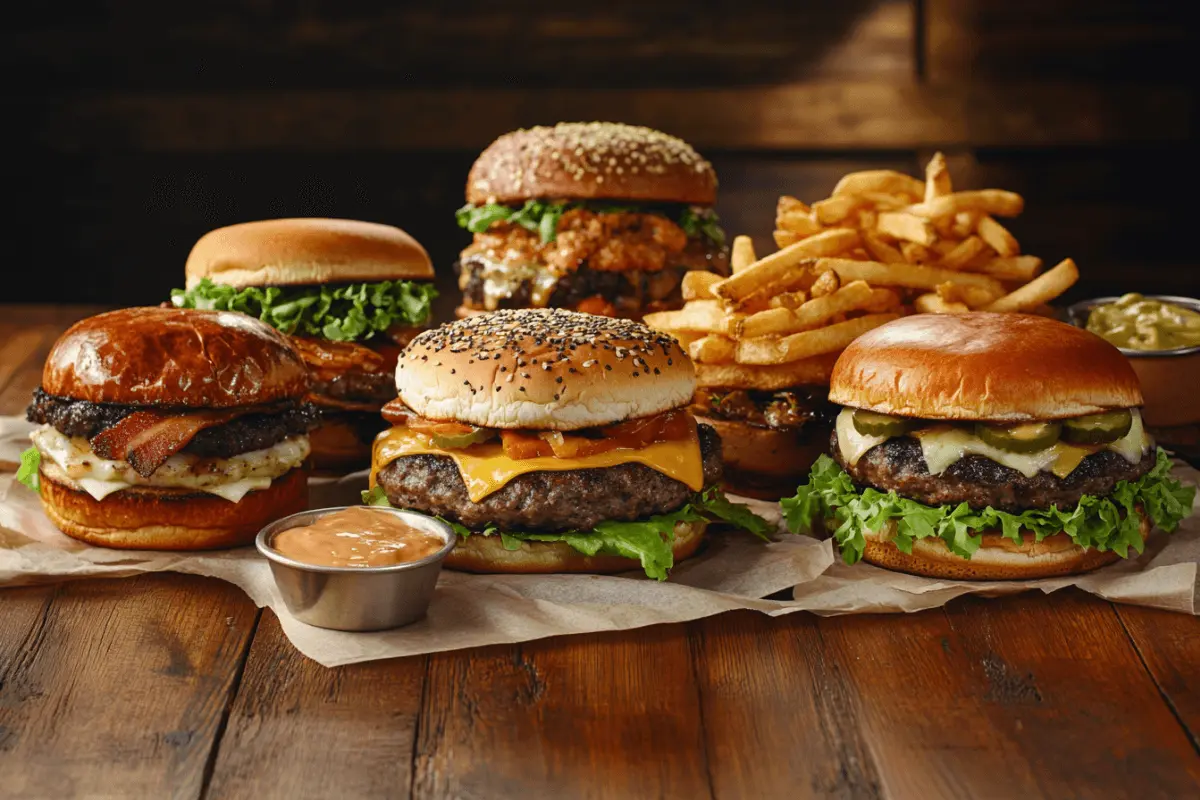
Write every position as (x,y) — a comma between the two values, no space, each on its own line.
(485,468)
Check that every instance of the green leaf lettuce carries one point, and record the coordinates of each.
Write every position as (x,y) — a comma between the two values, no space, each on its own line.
(542,218)
(27,473)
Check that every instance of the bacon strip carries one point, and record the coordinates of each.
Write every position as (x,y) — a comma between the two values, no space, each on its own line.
(146,439)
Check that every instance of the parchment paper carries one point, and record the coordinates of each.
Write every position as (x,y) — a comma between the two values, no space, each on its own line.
(733,571)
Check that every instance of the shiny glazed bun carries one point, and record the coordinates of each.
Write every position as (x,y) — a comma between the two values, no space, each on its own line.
(983,366)
(764,462)
(174,357)
(543,369)
(305,251)
(591,161)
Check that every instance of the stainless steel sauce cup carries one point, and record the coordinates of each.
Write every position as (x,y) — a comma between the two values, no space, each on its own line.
(356,598)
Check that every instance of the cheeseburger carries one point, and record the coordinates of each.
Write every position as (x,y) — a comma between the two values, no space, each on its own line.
(350,294)
(986,446)
(169,429)
(553,441)
(596,217)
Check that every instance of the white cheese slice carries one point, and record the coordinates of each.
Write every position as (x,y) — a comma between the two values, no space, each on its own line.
(234,492)
(101,489)
(1133,445)
(851,443)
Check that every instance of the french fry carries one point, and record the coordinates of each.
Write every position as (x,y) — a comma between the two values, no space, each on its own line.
(868,218)
(997,237)
(912,276)
(937,178)
(882,300)
(1041,289)
(934,304)
(789,299)
(772,268)
(962,225)
(886,202)
(1016,268)
(742,253)
(698,316)
(826,283)
(697,284)
(851,297)
(963,253)
(914,253)
(800,222)
(984,201)
(785,238)
(836,209)
(807,371)
(806,344)
(773,321)
(884,181)
(910,228)
(970,296)
(880,249)
(712,349)
(788,203)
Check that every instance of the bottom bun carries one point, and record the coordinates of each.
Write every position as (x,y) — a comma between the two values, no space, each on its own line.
(152,518)
(997,558)
(764,462)
(487,554)
(342,442)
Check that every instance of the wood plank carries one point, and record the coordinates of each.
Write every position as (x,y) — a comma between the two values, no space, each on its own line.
(1169,645)
(117,685)
(612,715)
(299,729)
(794,116)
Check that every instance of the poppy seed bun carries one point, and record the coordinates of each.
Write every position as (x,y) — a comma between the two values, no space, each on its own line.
(306,251)
(591,161)
(174,357)
(983,366)
(543,369)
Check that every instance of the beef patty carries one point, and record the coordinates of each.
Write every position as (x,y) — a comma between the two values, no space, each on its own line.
(545,501)
(898,465)
(249,432)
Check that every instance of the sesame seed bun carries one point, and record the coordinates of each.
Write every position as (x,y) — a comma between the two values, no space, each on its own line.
(306,251)
(543,369)
(983,366)
(591,161)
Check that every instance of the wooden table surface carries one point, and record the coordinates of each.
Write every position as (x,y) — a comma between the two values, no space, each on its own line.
(170,685)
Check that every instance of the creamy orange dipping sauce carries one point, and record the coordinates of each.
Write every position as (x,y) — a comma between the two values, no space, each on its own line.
(357,537)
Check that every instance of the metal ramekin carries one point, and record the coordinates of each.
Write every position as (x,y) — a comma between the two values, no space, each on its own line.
(356,598)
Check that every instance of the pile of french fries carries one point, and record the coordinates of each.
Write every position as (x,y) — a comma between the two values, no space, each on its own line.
(883,245)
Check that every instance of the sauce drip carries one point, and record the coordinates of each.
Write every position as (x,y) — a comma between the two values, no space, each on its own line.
(357,537)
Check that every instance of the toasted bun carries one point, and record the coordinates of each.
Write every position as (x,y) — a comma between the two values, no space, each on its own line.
(148,518)
(487,554)
(764,462)
(997,559)
(290,252)
(591,161)
(174,357)
(543,369)
(338,446)
(983,366)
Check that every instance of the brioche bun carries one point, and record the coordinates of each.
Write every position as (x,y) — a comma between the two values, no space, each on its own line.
(591,161)
(338,445)
(306,251)
(543,369)
(478,553)
(765,462)
(983,366)
(174,357)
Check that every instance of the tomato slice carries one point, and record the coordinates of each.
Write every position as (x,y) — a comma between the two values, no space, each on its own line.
(633,435)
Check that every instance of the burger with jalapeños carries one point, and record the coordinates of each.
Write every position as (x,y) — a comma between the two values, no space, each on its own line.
(553,441)
(597,217)
(987,446)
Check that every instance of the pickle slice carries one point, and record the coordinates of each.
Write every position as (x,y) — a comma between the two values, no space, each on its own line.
(868,423)
(1098,428)
(457,441)
(1028,437)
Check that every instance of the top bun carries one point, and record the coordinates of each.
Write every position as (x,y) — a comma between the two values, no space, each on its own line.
(543,369)
(983,366)
(591,161)
(295,252)
(174,357)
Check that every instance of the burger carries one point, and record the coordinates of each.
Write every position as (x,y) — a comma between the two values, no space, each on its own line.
(596,217)
(169,429)
(553,441)
(350,295)
(988,446)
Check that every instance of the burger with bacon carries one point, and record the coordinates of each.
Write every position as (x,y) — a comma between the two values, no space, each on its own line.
(350,294)
(597,217)
(170,429)
(553,441)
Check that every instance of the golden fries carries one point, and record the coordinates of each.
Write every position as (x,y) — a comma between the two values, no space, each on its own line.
(984,201)
(1017,268)
(912,276)
(807,371)
(937,178)
(997,237)
(698,316)
(712,349)
(741,255)
(697,285)
(783,350)
(779,264)
(1041,289)
(963,253)
(934,304)
(901,225)
(881,181)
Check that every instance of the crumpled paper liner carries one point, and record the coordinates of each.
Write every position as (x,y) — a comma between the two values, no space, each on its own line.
(733,571)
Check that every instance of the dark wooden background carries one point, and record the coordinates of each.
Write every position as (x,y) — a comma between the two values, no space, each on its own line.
(136,126)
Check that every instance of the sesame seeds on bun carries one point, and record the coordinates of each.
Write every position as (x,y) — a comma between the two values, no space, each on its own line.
(543,369)
(591,161)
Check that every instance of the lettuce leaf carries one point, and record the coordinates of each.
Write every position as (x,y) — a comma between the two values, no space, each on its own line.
(542,218)
(1103,523)
(647,541)
(344,313)
(27,473)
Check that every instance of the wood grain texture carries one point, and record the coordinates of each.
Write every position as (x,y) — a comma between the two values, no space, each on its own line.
(606,715)
(117,687)
(298,729)
(1169,645)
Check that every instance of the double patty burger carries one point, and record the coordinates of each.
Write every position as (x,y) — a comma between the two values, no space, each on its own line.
(170,429)
(351,294)
(596,217)
(988,446)
(554,442)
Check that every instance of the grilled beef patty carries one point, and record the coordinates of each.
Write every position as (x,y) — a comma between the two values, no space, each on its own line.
(781,410)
